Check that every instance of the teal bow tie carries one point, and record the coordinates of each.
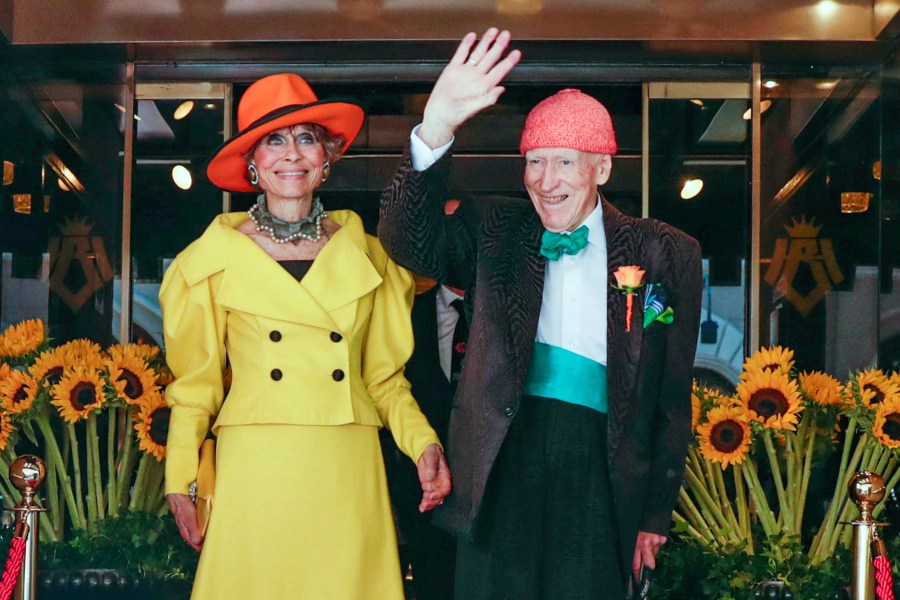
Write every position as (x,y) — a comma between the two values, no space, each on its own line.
(553,245)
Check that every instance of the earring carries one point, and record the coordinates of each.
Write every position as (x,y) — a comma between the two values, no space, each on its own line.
(252,174)
(326,171)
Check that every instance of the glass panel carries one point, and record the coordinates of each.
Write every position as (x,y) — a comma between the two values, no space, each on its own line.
(887,172)
(172,201)
(699,174)
(820,219)
(60,214)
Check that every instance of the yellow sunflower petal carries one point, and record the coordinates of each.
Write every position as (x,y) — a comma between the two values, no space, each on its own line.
(140,350)
(725,436)
(887,422)
(48,368)
(78,393)
(4,371)
(17,392)
(776,359)
(152,425)
(6,429)
(132,378)
(82,353)
(22,338)
(822,388)
(872,387)
(772,398)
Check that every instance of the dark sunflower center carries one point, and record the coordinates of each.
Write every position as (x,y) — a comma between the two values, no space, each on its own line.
(892,426)
(879,395)
(20,395)
(773,366)
(82,395)
(133,386)
(768,402)
(159,425)
(727,436)
(54,375)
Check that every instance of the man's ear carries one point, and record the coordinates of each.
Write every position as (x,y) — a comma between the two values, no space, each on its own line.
(604,168)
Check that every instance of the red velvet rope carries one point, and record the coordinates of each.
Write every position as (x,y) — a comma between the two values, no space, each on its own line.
(14,567)
(884,581)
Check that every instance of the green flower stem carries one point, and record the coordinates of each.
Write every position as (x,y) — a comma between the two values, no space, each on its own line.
(127,459)
(91,494)
(111,487)
(766,516)
(729,509)
(822,547)
(679,521)
(709,480)
(95,458)
(807,468)
(692,515)
(154,480)
(785,507)
(742,507)
(882,461)
(76,465)
(706,481)
(57,463)
(707,503)
(139,483)
(895,478)
(53,514)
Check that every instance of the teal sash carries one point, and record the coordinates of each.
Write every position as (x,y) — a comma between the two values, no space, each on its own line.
(557,373)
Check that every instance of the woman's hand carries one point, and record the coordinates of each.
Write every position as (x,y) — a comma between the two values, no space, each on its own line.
(185,514)
(434,475)
(468,84)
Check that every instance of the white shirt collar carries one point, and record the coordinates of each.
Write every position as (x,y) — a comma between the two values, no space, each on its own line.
(594,224)
(446,296)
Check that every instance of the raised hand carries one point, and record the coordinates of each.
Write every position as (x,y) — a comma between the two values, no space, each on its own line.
(468,84)
(434,476)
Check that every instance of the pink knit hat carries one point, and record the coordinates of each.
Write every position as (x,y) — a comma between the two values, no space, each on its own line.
(569,119)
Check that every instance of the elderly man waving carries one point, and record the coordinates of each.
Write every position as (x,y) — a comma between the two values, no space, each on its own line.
(572,417)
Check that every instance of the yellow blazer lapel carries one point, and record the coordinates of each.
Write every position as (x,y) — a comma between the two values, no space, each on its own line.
(253,282)
(343,272)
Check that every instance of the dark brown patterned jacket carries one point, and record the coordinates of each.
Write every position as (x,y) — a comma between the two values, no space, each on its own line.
(490,248)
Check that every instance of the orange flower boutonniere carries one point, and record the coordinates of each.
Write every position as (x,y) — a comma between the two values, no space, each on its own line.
(628,280)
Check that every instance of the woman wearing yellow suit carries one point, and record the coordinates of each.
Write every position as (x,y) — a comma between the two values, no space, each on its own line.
(314,320)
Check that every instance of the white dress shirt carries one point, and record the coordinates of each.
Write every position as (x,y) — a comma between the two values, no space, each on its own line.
(573,307)
(447,316)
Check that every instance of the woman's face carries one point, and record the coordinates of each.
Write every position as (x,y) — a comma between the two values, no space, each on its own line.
(289,162)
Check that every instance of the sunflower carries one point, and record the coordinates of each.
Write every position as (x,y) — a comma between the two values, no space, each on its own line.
(776,358)
(895,378)
(81,353)
(49,367)
(164,375)
(887,422)
(152,425)
(696,410)
(822,388)
(4,371)
(141,350)
(725,436)
(771,398)
(132,379)
(6,429)
(17,392)
(23,338)
(78,393)
(873,385)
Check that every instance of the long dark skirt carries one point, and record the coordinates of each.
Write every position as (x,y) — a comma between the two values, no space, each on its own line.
(547,528)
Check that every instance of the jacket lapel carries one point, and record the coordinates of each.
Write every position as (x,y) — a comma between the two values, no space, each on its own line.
(325,298)
(623,348)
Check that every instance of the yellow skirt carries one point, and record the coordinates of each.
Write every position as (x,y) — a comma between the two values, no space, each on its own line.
(301,512)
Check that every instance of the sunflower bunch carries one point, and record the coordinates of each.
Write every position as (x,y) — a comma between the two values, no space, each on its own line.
(712,508)
(68,401)
(871,406)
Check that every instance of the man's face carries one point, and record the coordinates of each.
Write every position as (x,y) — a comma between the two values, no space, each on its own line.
(562,184)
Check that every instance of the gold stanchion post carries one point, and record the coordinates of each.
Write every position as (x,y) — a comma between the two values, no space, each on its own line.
(866,489)
(27,473)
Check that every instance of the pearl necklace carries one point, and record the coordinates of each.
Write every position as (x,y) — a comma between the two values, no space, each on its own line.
(282,232)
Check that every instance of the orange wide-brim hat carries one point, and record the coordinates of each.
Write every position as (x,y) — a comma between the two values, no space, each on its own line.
(271,103)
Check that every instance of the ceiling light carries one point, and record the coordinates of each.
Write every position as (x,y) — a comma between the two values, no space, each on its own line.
(9,171)
(771,83)
(182,177)
(209,106)
(122,108)
(763,107)
(183,110)
(855,202)
(62,184)
(826,85)
(691,188)
(876,170)
(697,101)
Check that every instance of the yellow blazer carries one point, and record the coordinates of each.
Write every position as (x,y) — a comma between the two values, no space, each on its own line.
(329,350)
